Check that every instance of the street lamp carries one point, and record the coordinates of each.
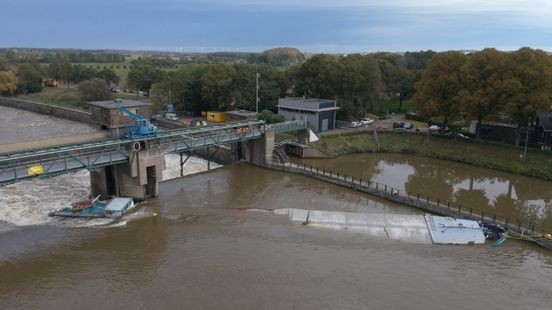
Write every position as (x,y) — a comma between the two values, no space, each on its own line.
(257,77)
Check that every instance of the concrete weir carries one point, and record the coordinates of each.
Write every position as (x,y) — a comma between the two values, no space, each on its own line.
(422,229)
(139,178)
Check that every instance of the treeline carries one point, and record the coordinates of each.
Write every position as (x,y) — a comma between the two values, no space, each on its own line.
(482,84)
(446,86)
(25,78)
(46,56)
(277,57)
(358,82)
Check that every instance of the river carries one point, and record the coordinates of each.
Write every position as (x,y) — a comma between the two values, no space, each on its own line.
(195,247)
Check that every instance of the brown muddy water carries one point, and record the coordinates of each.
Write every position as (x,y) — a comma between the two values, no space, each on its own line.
(195,248)
(199,252)
(493,192)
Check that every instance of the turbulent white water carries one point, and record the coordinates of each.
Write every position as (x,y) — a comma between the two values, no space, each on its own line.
(29,202)
(193,165)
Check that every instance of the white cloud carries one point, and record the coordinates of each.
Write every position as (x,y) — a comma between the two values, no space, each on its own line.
(530,12)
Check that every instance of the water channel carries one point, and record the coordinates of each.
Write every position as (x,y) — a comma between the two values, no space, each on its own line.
(195,247)
(493,192)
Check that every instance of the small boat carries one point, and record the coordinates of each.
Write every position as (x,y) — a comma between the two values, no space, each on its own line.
(114,208)
(493,231)
(81,205)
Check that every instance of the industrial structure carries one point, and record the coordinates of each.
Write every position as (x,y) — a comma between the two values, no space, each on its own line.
(319,113)
(133,167)
(108,116)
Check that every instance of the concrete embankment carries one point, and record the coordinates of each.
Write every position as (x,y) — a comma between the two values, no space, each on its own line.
(42,108)
(427,204)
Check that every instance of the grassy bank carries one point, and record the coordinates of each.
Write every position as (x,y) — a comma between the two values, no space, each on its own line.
(66,97)
(70,97)
(481,154)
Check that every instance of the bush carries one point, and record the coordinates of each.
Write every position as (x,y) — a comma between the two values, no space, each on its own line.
(277,118)
(266,115)
(94,90)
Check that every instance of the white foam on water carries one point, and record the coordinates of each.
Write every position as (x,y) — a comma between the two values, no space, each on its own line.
(29,202)
(193,165)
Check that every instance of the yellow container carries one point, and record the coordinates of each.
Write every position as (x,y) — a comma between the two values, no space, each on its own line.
(216,117)
(35,170)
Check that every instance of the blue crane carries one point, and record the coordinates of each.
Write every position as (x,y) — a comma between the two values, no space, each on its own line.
(142,127)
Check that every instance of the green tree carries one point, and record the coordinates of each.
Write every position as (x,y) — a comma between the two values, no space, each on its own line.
(54,70)
(357,85)
(216,87)
(94,90)
(277,118)
(141,77)
(3,64)
(418,60)
(81,73)
(29,77)
(65,72)
(398,81)
(8,82)
(527,86)
(109,76)
(483,75)
(316,77)
(438,92)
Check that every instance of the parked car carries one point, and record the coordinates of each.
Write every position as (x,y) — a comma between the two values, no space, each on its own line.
(398,125)
(356,124)
(434,128)
(408,126)
(460,136)
(366,121)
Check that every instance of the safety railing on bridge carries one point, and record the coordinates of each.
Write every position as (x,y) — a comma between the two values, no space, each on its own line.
(521,225)
(289,126)
(53,160)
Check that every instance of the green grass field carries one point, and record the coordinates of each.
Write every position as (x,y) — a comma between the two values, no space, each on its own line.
(477,153)
(62,96)
(70,97)
(120,68)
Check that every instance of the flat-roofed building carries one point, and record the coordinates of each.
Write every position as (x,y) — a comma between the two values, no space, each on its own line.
(106,114)
(320,113)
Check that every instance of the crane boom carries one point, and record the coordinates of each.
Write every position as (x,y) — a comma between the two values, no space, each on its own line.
(134,116)
(141,128)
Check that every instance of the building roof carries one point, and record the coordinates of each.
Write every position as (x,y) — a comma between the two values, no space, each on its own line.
(118,204)
(545,119)
(112,104)
(308,104)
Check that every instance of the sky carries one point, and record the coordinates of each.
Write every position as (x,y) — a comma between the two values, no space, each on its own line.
(345,26)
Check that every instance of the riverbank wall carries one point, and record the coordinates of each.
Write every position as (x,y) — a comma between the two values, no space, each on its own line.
(537,163)
(48,109)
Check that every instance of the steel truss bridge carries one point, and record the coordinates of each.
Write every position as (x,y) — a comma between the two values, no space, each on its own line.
(58,159)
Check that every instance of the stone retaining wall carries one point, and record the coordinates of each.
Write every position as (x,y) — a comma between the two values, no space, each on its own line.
(48,109)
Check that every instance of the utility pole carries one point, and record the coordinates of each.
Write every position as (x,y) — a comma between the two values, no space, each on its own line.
(257,76)
(526,140)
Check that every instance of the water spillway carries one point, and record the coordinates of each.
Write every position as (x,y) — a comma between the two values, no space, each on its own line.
(423,229)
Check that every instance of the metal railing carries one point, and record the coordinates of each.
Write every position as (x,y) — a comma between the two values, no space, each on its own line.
(522,226)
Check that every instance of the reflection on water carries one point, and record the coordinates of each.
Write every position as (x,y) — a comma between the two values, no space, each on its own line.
(204,252)
(508,195)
